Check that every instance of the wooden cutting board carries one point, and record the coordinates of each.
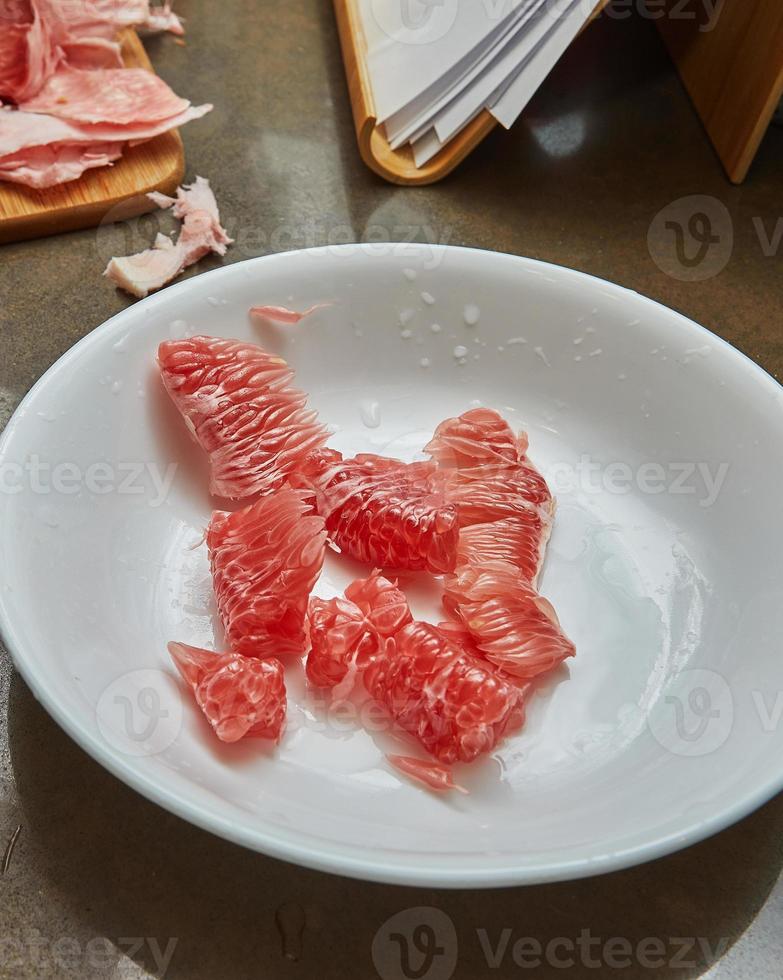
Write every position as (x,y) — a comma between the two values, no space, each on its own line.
(156,165)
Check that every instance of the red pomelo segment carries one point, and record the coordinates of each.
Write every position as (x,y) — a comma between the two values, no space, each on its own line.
(265,560)
(480,437)
(386,512)
(480,499)
(381,602)
(337,630)
(514,627)
(240,697)
(345,634)
(238,402)
(454,702)
(456,705)
(430,774)
(519,540)
(491,477)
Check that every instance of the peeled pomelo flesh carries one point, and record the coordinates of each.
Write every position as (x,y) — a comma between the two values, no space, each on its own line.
(347,632)
(382,603)
(430,774)
(479,437)
(451,700)
(265,560)
(490,477)
(239,697)
(385,512)
(519,540)
(238,402)
(456,705)
(511,624)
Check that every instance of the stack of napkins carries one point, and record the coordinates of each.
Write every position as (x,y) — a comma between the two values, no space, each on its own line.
(434,65)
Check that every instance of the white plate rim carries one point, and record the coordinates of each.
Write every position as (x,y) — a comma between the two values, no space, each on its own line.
(315,853)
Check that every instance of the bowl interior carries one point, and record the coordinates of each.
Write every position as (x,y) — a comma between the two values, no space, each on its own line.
(662,444)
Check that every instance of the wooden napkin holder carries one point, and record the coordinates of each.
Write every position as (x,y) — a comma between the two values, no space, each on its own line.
(397,166)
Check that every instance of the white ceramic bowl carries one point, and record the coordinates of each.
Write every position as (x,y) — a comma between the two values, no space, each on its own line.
(664,447)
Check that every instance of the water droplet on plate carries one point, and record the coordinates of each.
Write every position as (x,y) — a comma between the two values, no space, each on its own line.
(460,351)
(471,314)
(540,353)
(428,298)
(370,412)
(49,516)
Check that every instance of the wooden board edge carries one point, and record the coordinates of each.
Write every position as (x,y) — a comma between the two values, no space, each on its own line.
(90,215)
